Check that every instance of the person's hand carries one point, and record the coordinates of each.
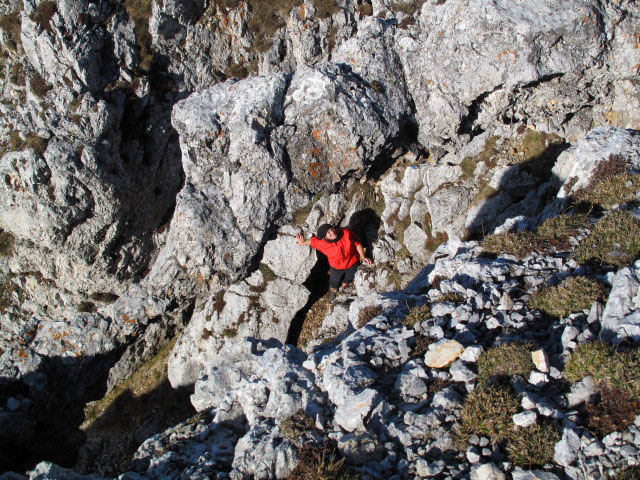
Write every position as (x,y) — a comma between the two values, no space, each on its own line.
(299,239)
(367,261)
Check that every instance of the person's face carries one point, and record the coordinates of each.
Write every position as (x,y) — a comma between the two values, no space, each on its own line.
(331,234)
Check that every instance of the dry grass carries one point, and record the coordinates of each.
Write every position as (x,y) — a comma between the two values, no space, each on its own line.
(453,297)
(296,425)
(7,241)
(325,8)
(313,321)
(321,463)
(505,360)
(532,446)
(139,12)
(552,233)
(39,86)
(615,241)
(43,14)
(266,19)
(11,25)
(615,411)
(488,412)
(409,7)
(609,184)
(417,314)
(572,295)
(367,314)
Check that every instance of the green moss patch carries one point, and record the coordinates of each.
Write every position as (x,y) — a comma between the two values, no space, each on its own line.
(615,241)
(505,360)
(608,366)
(572,295)
(532,446)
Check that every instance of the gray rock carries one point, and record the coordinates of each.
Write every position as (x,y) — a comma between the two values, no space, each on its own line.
(360,448)
(620,316)
(488,471)
(583,391)
(533,475)
(352,413)
(525,419)
(566,450)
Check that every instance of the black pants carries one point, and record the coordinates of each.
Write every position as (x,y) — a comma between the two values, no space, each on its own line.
(338,277)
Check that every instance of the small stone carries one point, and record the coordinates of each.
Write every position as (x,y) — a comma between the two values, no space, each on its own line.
(582,392)
(447,399)
(566,450)
(568,335)
(461,373)
(472,354)
(472,455)
(492,323)
(538,379)
(351,414)
(528,402)
(442,353)
(484,441)
(488,471)
(540,360)
(429,469)
(524,419)
(533,475)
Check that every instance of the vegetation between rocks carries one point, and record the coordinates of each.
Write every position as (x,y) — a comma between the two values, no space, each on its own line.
(296,425)
(417,314)
(505,360)
(322,463)
(367,314)
(532,446)
(615,241)
(572,295)
(43,14)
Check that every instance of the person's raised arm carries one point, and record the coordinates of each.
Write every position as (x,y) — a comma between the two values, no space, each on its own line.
(363,259)
(301,241)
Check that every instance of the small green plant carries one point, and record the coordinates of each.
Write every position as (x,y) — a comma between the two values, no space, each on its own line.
(615,369)
(367,314)
(296,425)
(453,297)
(488,411)
(572,295)
(267,273)
(505,360)
(417,314)
(230,332)
(43,14)
(615,240)
(532,446)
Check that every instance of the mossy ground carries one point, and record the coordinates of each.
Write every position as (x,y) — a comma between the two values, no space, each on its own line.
(505,360)
(615,241)
(572,295)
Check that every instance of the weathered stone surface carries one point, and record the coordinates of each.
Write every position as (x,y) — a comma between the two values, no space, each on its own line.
(540,360)
(620,318)
(566,450)
(488,471)
(600,145)
(286,259)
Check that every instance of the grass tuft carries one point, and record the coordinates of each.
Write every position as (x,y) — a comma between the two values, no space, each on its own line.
(572,295)
(296,425)
(532,446)
(367,314)
(453,297)
(417,314)
(505,360)
(615,241)
(615,369)
(322,463)
(488,411)
(325,8)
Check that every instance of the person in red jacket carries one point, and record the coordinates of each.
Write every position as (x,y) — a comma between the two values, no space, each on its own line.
(344,252)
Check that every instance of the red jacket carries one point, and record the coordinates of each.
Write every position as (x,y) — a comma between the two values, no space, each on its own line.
(342,253)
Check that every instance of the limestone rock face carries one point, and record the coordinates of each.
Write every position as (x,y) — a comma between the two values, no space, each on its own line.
(257,307)
(450,79)
(235,178)
(336,124)
(621,316)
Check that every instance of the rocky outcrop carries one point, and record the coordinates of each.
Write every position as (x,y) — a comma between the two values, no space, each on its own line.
(426,122)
